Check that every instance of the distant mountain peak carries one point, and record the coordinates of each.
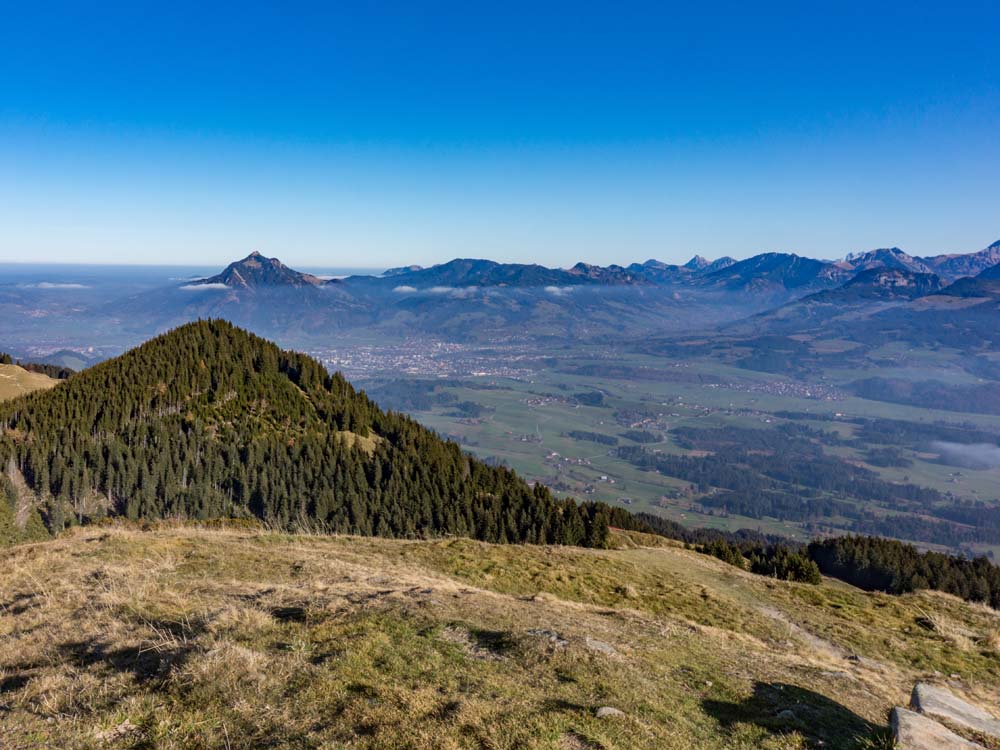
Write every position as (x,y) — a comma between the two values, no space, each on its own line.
(774,271)
(887,257)
(697,263)
(401,270)
(256,270)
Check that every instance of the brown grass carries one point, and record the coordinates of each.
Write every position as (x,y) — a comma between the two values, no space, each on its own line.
(182,637)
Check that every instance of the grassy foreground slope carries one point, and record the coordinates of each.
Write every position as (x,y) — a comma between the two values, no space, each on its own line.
(16,381)
(180,637)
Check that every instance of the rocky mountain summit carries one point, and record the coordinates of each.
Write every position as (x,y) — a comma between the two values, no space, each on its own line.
(256,271)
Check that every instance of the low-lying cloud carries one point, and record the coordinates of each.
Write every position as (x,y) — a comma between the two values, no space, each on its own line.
(203,287)
(455,292)
(559,291)
(405,289)
(969,455)
(55,285)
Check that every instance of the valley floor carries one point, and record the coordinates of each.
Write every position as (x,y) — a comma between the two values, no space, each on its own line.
(180,637)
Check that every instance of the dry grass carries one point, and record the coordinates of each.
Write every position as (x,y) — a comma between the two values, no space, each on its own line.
(16,381)
(366,443)
(189,638)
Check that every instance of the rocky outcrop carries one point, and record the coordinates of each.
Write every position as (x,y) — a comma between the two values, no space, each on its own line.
(935,718)
(943,705)
(916,732)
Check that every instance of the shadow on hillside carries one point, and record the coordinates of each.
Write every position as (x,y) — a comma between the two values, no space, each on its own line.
(780,708)
(145,664)
(149,662)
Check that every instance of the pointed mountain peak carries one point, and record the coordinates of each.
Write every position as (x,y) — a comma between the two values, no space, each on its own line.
(697,263)
(256,271)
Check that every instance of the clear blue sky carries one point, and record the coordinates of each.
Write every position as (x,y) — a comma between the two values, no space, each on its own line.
(386,133)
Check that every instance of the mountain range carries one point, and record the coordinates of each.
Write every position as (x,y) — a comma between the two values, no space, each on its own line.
(466,297)
(766,272)
(469,299)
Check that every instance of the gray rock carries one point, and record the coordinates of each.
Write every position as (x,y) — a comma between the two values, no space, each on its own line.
(916,732)
(607,712)
(600,646)
(944,705)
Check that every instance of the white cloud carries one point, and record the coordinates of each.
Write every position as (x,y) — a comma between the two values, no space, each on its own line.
(405,289)
(559,291)
(972,455)
(54,285)
(201,287)
(456,292)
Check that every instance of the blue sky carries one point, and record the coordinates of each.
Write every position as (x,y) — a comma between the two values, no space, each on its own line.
(375,134)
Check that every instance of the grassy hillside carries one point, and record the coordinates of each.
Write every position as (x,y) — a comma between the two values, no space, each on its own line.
(177,637)
(16,381)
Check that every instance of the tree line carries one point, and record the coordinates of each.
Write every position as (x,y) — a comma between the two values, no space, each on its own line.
(870,563)
(53,371)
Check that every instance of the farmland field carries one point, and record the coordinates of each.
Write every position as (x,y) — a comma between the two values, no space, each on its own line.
(569,423)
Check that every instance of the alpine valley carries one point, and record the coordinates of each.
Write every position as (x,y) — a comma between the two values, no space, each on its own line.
(724,504)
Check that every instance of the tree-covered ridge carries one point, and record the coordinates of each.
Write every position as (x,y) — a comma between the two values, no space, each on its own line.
(888,565)
(209,421)
(868,562)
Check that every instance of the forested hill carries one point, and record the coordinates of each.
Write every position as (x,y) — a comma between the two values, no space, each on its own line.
(209,421)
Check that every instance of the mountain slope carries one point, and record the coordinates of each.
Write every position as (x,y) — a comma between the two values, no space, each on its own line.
(990,273)
(870,292)
(176,638)
(880,283)
(888,283)
(209,421)
(776,272)
(952,267)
